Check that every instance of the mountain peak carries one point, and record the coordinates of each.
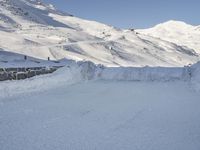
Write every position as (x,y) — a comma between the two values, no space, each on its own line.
(178,32)
(174,24)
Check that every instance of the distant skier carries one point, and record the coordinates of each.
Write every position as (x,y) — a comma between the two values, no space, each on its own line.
(25,57)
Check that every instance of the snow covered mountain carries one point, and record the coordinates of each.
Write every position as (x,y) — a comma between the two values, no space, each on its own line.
(36,29)
(177,32)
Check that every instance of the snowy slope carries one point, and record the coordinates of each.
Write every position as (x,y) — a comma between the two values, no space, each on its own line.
(177,32)
(15,60)
(32,28)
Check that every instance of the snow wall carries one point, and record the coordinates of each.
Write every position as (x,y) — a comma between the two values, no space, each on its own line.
(76,72)
(90,71)
(195,77)
(190,74)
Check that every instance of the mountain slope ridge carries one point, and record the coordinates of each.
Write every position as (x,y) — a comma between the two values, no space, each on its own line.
(42,31)
(178,32)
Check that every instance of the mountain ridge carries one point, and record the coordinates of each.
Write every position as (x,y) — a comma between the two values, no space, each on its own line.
(178,32)
(36,29)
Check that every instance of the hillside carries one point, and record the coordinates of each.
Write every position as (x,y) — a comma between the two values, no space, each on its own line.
(36,29)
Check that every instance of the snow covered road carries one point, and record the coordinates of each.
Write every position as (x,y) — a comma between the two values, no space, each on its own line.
(103,115)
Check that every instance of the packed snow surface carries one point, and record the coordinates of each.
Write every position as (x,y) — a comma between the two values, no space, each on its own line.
(103,115)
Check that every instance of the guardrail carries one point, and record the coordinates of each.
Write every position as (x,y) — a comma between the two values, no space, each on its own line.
(24,73)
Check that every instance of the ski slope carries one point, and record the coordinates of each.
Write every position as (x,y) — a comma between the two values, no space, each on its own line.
(15,60)
(36,29)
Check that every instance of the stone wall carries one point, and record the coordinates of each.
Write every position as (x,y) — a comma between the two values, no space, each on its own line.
(23,73)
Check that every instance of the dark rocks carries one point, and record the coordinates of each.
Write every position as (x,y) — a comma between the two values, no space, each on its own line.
(30,74)
(3,76)
(23,73)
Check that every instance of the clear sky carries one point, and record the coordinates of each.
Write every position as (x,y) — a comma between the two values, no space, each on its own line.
(132,13)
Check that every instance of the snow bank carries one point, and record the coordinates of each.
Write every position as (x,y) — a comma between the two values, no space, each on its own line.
(72,73)
(82,71)
(144,74)
(64,76)
(90,71)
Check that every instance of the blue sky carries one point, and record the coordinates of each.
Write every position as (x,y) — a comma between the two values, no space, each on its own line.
(132,13)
